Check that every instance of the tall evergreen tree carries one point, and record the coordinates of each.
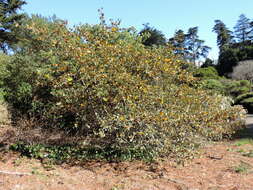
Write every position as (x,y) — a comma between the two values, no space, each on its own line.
(9,20)
(242,29)
(224,35)
(195,48)
(188,45)
(208,63)
(155,37)
(251,31)
(178,41)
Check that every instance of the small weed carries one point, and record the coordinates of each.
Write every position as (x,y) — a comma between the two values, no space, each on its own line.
(248,154)
(42,176)
(48,165)
(114,188)
(244,141)
(118,187)
(240,151)
(35,171)
(243,167)
(18,161)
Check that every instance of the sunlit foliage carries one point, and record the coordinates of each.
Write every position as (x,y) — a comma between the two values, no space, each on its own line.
(100,82)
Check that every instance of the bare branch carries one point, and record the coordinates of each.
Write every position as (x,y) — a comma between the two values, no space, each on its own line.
(243,71)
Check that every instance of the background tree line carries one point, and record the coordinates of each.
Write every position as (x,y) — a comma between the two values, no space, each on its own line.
(234,46)
(186,44)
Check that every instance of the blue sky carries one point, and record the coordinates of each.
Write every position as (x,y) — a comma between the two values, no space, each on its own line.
(165,15)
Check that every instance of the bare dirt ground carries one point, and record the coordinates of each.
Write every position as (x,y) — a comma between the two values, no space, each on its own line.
(216,169)
(221,166)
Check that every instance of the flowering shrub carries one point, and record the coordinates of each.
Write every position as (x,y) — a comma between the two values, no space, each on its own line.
(101,83)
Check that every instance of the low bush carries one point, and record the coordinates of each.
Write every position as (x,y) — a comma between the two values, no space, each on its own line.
(70,153)
(207,73)
(214,84)
(100,82)
(246,100)
(237,88)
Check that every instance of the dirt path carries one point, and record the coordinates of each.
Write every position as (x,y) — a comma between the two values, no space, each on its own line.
(221,166)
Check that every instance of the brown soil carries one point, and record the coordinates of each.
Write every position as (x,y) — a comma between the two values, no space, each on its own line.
(220,166)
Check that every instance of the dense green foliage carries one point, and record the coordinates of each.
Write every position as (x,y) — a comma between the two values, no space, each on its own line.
(224,35)
(211,79)
(215,85)
(101,83)
(178,41)
(152,36)
(207,73)
(3,70)
(208,63)
(4,59)
(230,57)
(70,153)
(238,90)
(10,19)
(246,100)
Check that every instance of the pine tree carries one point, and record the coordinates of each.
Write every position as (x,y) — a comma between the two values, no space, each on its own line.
(251,31)
(195,48)
(178,41)
(224,35)
(155,37)
(242,29)
(9,20)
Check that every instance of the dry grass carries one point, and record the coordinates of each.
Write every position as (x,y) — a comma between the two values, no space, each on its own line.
(30,131)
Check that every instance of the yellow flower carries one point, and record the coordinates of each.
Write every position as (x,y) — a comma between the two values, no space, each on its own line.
(70,79)
(47,76)
(114,29)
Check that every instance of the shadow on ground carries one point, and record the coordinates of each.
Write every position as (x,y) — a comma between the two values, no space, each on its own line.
(248,131)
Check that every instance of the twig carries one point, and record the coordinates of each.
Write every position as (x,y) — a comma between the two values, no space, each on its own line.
(14,173)
(175,181)
(215,157)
